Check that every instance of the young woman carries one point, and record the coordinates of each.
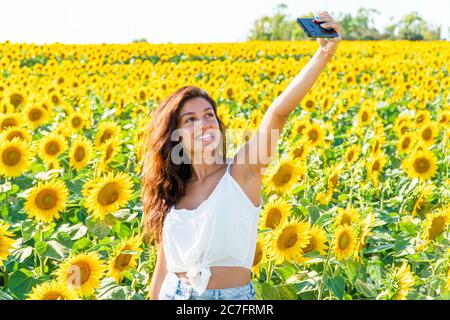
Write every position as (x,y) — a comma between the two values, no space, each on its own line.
(201,208)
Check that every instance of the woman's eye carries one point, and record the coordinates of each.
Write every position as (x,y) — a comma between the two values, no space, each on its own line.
(210,114)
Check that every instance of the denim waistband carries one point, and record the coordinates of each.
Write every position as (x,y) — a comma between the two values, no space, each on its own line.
(173,283)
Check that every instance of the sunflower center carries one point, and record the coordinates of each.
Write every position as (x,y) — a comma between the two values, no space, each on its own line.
(52,148)
(46,199)
(9,123)
(105,136)
(298,152)
(350,156)
(11,156)
(376,166)
(273,218)
(35,114)
(346,219)
(83,272)
(79,153)
(109,152)
(344,240)
(309,104)
(334,180)
(437,227)
(406,142)
(283,176)
(313,135)
(312,245)
(123,260)
(426,134)
(300,128)
(258,257)
(108,194)
(76,121)
(288,239)
(422,165)
(53,295)
(364,116)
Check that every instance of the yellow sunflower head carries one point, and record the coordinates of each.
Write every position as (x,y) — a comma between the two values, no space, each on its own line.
(124,257)
(285,243)
(80,152)
(107,193)
(260,257)
(421,164)
(283,174)
(436,223)
(82,272)
(46,200)
(6,242)
(15,157)
(274,213)
(52,291)
(344,242)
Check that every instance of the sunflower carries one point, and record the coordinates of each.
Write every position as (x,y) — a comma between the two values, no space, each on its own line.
(316,243)
(435,224)
(107,193)
(374,167)
(428,133)
(314,134)
(80,152)
(10,120)
(124,257)
(6,242)
(402,125)
(420,164)
(309,104)
(82,273)
(13,132)
(365,115)
(352,154)
(422,117)
(286,242)
(275,212)
(347,216)
(46,200)
(300,149)
(364,233)
(106,131)
(15,157)
(76,121)
(260,257)
(52,291)
(404,281)
(333,174)
(36,116)
(344,242)
(283,174)
(406,143)
(107,152)
(423,200)
(51,146)
(298,127)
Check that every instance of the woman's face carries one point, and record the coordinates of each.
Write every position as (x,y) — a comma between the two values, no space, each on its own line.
(198,126)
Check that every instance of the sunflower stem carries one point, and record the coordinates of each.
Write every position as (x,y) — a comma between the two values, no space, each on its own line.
(325,267)
(269,271)
(41,238)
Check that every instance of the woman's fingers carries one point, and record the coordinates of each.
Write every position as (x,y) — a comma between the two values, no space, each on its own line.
(331,24)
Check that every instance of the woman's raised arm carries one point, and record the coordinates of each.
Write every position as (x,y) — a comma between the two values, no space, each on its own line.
(259,151)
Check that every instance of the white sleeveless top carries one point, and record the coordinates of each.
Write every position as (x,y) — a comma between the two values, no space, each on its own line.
(221,231)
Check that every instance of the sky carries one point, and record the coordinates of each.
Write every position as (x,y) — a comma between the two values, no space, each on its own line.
(175,21)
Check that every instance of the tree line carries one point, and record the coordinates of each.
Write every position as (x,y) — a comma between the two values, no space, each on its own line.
(360,26)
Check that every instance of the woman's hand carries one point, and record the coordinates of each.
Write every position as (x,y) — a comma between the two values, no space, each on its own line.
(329,46)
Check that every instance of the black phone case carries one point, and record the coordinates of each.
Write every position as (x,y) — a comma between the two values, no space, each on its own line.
(314,30)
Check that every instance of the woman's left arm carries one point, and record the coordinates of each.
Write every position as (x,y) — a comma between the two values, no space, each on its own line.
(261,147)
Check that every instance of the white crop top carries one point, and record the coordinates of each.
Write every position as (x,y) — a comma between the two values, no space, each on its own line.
(221,231)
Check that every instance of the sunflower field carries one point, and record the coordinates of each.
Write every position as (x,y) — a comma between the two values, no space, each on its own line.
(356,205)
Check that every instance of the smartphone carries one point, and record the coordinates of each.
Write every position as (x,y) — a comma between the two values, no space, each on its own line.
(313,29)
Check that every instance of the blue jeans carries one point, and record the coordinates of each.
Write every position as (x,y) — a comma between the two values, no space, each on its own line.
(174,288)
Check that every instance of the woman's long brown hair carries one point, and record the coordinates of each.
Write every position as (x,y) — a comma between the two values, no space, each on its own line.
(163,182)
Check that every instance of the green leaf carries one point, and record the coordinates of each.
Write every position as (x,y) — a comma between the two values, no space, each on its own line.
(99,229)
(337,285)
(367,290)
(21,254)
(56,251)
(75,232)
(41,247)
(21,282)
(28,230)
(5,296)
(81,244)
